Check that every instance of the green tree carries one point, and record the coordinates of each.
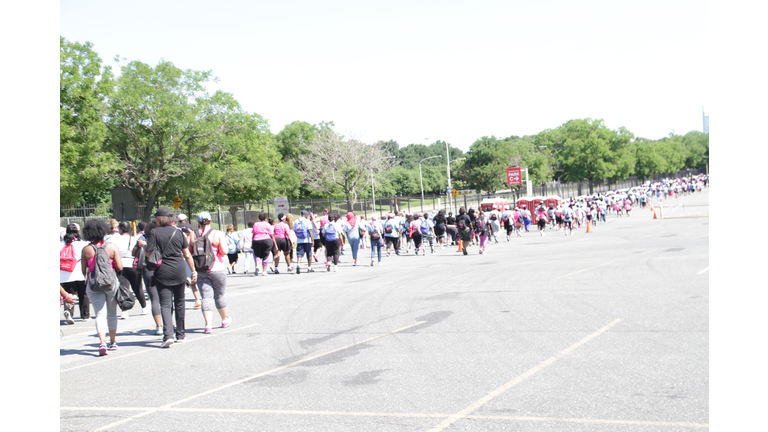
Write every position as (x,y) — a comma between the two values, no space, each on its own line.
(163,125)
(489,157)
(84,170)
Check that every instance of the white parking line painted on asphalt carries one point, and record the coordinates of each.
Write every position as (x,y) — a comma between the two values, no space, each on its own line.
(258,375)
(384,414)
(703,271)
(187,341)
(487,398)
(605,263)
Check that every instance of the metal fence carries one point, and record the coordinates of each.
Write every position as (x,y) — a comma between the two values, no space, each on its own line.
(240,213)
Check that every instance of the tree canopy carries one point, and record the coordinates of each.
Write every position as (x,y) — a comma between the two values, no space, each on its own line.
(158,131)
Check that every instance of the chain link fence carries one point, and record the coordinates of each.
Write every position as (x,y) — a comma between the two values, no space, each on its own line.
(240,213)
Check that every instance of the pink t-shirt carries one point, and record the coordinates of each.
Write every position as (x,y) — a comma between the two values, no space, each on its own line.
(281,230)
(262,230)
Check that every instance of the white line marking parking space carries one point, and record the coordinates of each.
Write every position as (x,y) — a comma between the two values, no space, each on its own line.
(384,414)
(258,375)
(487,398)
(703,271)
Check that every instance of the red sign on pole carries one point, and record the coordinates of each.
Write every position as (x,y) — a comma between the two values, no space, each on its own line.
(514,176)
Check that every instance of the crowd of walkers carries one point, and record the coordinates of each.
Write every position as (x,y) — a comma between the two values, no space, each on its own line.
(168,255)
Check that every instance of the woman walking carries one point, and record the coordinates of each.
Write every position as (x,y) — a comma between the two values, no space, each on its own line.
(375,231)
(355,232)
(332,231)
(104,303)
(71,276)
(147,275)
(213,282)
(170,276)
(233,241)
(125,243)
(263,243)
(440,224)
(482,230)
(464,228)
(282,243)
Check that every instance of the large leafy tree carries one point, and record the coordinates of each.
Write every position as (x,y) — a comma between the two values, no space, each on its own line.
(163,125)
(84,169)
(488,158)
(335,165)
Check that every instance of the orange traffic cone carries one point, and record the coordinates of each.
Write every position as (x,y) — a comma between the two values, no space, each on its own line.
(654,214)
(461,245)
(675,195)
(589,226)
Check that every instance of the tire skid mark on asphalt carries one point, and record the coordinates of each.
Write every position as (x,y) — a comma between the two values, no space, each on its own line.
(453,418)
(606,263)
(385,414)
(258,375)
(187,341)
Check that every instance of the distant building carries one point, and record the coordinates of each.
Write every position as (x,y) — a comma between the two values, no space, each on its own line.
(706,121)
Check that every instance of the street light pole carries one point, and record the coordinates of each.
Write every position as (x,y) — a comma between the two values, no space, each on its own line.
(449,181)
(421,180)
(373,191)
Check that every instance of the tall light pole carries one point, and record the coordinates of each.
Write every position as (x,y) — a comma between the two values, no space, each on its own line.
(421,180)
(373,191)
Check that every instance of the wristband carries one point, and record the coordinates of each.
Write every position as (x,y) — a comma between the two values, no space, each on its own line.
(194,273)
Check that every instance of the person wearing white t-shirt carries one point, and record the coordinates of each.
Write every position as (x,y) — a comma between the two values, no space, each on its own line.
(73,281)
(125,243)
(246,238)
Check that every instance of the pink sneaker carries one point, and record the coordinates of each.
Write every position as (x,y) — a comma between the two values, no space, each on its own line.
(226,322)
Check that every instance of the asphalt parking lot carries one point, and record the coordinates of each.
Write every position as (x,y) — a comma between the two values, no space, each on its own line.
(600,331)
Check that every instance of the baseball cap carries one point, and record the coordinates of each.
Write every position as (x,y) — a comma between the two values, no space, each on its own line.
(202,216)
(164,211)
(181,217)
(304,213)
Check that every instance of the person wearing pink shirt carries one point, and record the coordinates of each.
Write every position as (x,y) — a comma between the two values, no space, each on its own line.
(282,233)
(263,243)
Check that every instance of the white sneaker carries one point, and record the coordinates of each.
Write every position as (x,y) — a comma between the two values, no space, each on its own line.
(167,343)
(124,315)
(68,317)
(145,310)
(335,270)
(372,262)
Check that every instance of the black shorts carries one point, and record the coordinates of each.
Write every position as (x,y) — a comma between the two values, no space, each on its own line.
(284,244)
(391,240)
(262,248)
(439,230)
(542,223)
(232,257)
(568,224)
(317,244)
(559,220)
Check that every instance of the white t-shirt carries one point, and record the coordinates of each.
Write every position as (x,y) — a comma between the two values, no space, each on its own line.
(124,243)
(247,239)
(77,273)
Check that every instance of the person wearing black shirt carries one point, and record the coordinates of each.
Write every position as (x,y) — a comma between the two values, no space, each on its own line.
(440,222)
(171,275)
(450,228)
(464,227)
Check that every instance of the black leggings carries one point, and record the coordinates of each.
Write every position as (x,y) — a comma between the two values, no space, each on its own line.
(78,287)
(172,302)
(332,250)
(154,299)
(134,278)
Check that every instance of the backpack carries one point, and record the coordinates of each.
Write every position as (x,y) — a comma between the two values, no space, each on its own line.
(103,277)
(520,218)
(493,216)
(67,258)
(424,228)
(140,260)
(460,226)
(330,232)
(374,233)
(361,231)
(155,257)
(479,226)
(301,230)
(388,228)
(124,296)
(202,254)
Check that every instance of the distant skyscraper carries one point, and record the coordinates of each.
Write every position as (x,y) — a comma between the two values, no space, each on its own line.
(706,121)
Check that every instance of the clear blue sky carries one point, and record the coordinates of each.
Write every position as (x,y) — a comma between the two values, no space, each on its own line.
(411,70)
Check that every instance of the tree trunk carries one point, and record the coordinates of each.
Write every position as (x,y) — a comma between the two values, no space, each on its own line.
(233,212)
